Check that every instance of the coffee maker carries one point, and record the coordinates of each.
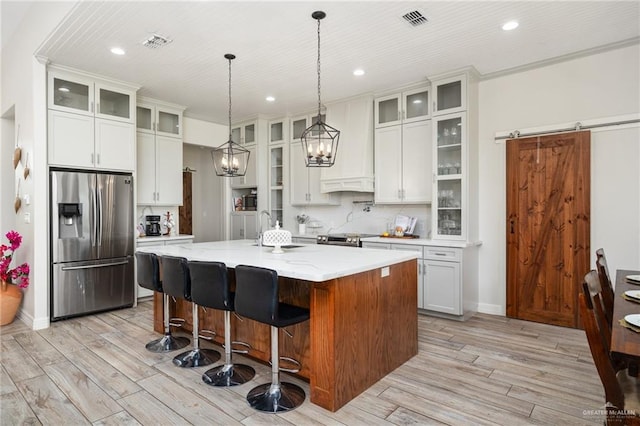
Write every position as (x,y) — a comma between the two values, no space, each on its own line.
(152,225)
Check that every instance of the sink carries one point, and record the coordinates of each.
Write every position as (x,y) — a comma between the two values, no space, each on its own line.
(288,246)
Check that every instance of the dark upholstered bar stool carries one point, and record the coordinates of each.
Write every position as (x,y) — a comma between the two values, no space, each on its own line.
(177,283)
(257,299)
(210,288)
(149,277)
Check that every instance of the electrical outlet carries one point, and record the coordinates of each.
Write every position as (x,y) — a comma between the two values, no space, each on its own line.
(27,217)
(384,272)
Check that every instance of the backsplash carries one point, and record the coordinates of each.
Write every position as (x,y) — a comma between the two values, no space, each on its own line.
(358,217)
(142,211)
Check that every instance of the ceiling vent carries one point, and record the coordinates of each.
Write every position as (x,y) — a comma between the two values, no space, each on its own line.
(156,41)
(415,18)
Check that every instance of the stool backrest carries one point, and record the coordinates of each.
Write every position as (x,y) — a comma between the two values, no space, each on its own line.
(210,285)
(257,293)
(176,281)
(148,271)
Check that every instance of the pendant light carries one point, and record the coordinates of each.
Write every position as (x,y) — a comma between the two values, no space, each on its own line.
(320,141)
(230,159)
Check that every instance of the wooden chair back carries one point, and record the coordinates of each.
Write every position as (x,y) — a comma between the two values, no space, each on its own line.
(608,294)
(599,350)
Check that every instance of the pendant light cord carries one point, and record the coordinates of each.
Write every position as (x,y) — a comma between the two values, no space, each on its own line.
(319,102)
(229,99)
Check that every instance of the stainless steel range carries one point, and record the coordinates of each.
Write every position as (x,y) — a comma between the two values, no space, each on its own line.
(349,240)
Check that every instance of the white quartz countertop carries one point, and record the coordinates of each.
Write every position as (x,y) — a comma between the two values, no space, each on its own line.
(310,262)
(165,237)
(423,242)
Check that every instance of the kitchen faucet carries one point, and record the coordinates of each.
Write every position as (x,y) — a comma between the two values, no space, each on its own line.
(263,212)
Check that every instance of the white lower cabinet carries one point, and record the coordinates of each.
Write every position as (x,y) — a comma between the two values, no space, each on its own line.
(442,289)
(445,277)
(244,226)
(159,241)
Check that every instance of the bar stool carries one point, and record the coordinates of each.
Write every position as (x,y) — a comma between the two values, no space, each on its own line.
(210,289)
(177,283)
(257,299)
(149,277)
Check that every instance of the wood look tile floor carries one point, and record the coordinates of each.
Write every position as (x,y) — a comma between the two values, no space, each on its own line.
(487,370)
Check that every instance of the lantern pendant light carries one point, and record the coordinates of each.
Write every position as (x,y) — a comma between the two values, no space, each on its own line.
(320,141)
(230,159)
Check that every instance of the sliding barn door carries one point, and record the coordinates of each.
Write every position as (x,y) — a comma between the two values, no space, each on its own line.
(548,211)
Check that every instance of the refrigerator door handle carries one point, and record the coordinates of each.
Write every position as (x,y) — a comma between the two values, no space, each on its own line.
(94,207)
(102,265)
(99,220)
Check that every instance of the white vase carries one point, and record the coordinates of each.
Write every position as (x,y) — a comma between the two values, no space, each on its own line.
(302,228)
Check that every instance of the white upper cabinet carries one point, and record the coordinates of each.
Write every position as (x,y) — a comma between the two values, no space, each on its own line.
(159,118)
(250,179)
(450,95)
(403,164)
(90,121)
(403,149)
(81,94)
(304,184)
(353,168)
(279,131)
(159,148)
(159,172)
(402,107)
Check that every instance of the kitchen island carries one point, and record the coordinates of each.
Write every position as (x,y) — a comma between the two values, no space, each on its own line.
(363,311)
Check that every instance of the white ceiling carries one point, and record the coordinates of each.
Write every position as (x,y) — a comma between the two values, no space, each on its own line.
(276,46)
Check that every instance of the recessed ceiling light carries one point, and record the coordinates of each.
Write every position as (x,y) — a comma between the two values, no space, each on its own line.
(511,25)
(63,89)
(358,72)
(270,99)
(117,51)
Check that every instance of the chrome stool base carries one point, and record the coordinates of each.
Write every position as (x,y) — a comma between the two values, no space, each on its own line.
(167,343)
(196,358)
(228,375)
(275,398)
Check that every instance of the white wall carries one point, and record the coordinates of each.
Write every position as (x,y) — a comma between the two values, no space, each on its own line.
(601,85)
(24,87)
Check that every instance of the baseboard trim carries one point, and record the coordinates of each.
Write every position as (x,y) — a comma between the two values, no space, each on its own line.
(34,323)
(491,309)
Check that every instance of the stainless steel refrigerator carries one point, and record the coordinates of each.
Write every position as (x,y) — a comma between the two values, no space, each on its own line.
(92,231)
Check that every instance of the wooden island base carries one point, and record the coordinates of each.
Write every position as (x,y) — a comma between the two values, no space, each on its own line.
(362,327)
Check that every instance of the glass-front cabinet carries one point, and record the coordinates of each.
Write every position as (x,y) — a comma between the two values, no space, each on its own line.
(300,124)
(449,166)
(450,95)
(244,133)
(276,182)
(153,118)
(82,95)
(404,107)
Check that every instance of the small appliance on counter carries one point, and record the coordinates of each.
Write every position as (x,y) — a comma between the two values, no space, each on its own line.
(250,202)
(349,240)
(152,225)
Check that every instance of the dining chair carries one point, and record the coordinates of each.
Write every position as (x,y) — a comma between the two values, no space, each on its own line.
(608,294)
(622,391)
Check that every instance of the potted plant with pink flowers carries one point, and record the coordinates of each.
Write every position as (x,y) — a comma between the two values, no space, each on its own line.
(12,279)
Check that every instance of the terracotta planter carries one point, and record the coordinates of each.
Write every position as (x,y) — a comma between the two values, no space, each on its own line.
(10,298)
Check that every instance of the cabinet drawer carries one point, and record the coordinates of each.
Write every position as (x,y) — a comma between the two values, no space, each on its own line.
(443,253)
(408,247)
(382,246)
